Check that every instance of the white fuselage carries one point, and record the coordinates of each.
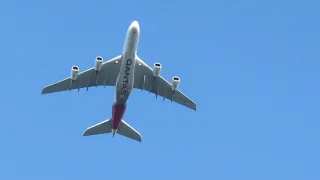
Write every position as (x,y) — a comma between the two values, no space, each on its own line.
(125,78)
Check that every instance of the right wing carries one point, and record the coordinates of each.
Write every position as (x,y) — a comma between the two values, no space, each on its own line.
(107,76)
(144,80)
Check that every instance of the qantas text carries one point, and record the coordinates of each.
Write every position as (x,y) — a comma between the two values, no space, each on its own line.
(125,81)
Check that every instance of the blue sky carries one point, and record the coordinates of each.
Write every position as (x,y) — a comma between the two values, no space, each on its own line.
(251,66)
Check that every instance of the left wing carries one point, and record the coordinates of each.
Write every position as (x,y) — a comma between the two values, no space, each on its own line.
(144,80)
(106,76)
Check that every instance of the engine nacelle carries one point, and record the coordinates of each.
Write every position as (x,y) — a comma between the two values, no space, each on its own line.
(98,63)
(156,69)
(175,83)
(74,72)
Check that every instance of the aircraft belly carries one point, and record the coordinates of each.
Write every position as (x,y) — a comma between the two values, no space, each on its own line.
(117,114)
(125,79)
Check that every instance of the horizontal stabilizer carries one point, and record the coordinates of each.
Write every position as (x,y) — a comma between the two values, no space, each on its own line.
(100,128)
(126,130)
(106,127)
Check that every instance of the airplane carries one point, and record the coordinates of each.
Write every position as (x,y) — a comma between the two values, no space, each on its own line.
(125,72)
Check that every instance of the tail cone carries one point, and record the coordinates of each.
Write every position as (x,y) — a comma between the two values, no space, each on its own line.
(114,131)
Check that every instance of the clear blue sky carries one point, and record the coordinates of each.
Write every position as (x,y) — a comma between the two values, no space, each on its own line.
(251,66)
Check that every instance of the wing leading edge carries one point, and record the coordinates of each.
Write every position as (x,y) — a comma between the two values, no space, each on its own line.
(107,76)
(145,80)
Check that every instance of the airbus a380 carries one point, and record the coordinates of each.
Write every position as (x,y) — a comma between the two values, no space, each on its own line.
(126,72)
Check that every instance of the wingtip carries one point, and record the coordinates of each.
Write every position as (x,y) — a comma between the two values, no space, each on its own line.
(85,133)
(194,107)
(139,138)
(44,91)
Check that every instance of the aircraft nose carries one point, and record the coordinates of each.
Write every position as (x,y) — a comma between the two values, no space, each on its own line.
(135,25)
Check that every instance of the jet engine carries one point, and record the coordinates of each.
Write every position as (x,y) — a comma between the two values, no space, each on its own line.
(74,72)
(156,69)
(175,83)
(98,63)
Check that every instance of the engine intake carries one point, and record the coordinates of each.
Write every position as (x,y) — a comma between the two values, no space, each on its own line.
(98,63)
(156,69)
(74,72)
(175,83)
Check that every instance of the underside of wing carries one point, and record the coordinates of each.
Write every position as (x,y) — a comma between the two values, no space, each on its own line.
(102,74)
(150,80)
